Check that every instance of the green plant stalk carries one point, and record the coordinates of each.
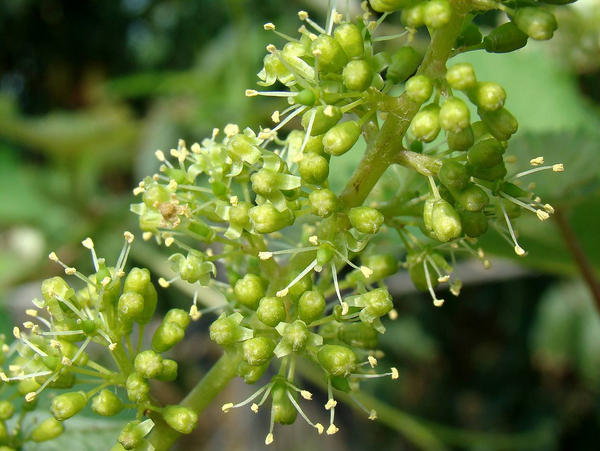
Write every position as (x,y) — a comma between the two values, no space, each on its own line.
(213,382)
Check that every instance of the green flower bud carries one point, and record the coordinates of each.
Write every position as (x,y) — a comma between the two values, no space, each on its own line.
(56,286)
(382,265)
(445,221)
(414,16)
(480,131)
(388,6)
(132,435)
(314,144)
(137,388)
(242,147)
(323,202)
(148,363)
(324,255)
(271,311)
(454,115)
(166,336)
(404,63)
(357,75)
(180,418)
(179,317)
(501,123)
(469,35)
(313,168)
(331,56)
(488,96)
(437,13)
(462,140)
(340,138)
(349,37)
(27,386)
(266,218)
(453,175)
(155,195)
(419,88)
(490,174)
(376,303)
(258,350)
(486,153)
(48,429)
(249,290)
(131,305)
(311,306)
(6,410)
(505,38)
(106,403)
(535,22)
(282,409)
(474,223)
(337,360)
(168,372)
(296,335)
(306,97)
(472,198)
(251,374)
(365,219)
(425,126)
(68,404)
(461,76)
(359,335)
(238,214)
(226,330)
(138,281)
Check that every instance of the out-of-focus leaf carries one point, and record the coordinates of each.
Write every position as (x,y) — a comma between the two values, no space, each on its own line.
(406,337)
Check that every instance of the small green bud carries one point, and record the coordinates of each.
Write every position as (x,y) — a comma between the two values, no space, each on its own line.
(68,404)
(27,386)
(166,336)
(137,388)
(469,35)
(106,403)
(501,123)
(169,370)
(337,360)
(241,147)
(461,76)
(486,153)
(480,131)
(331,56)
(296,334)
(365,219)
(155,195)
(311,306)
(264,182)
(131,305)
(535,22)
(474,223)
(131,435)
(313,168)
(414,16)
(349,36)
(314,144)
(148,363)
(382,265)
(359,335)
(488,96)
(454,115)
(453,175)
(324,255)
(437,13)
(6,410)
(179,317)
(377,303)
(238,214)
(425,126)
(249,290)
(404,63)
(226,330)
(462,140)
(282,409)
(136,281)
(180,418)
(271,311)
(266,218)
(56,286)
(48,429)
(258,350)
(445,221)
(388,6)
(340,138)
(357,75)
(505,38)
(323,202)
(251,374)
(419,88)
(472,198)
(490,174)
(306,97)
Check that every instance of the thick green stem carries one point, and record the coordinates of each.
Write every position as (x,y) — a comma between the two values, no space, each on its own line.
(387,148)
(162,436)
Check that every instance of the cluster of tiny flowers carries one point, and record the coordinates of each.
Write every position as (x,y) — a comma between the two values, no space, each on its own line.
(316,289)
(49,353)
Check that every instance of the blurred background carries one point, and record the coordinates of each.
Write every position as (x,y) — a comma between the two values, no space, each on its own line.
(88,91)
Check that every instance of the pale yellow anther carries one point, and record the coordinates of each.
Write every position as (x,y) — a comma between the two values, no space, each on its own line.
(254,407)
(373,415)
(105,281)
(88,243)
(337,17)
(317,52)
(271,48)
(393,314)
(31,312)
(120,274)
(14,368)
(549,208)
(227,407)
(480,253)
(172,186)
(29,397)
(66,361)
(163,282)
(195,148)
(298,158)
(70,271)
(269,26)
(542,214)
(3,376)
(5,348)
(487,264)
(55,344)
(169,241)
(231,129)
(28,325)
(275,117)
(519,250)
(371,25)
(195,314)
(215,133)
(332,429)
(312,36)
(302,15)
(438,302)
(175,153)
(265,255)
(372,361)
(345,308)
(366,271)
(558,167)
(537,199)
(306,394)
(269,438)
(146,236)
(443,279)
(328,111)
(319,428)
(17,333)
(266,134)
(209,252)
(129,237)
(331,403)
(314,240)
(52,256)
(156,177)
(395,374)
(160,155)
(112,346)
(538,161)
(282,293)
(251,92)
(302,29)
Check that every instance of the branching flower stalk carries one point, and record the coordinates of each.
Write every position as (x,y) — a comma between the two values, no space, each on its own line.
(300,269)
